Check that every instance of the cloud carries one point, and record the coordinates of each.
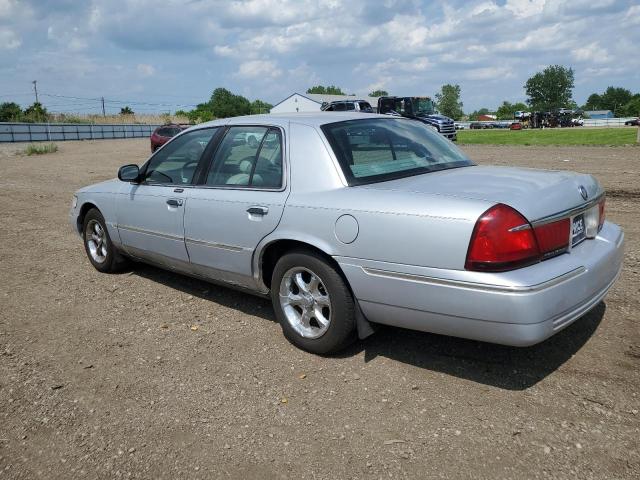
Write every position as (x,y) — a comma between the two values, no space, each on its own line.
(258,69)
(270,48)
(8,39)
(145,70)
(490,73)
(591,53)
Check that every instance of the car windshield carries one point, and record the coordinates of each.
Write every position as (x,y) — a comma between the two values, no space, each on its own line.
(379,149)
(423,106)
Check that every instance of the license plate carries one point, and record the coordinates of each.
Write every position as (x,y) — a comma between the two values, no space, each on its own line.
(578,230)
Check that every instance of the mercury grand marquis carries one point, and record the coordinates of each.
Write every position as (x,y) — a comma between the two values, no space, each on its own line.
(348,220)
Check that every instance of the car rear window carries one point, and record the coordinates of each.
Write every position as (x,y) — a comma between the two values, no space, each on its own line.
(169,131)
(379,149)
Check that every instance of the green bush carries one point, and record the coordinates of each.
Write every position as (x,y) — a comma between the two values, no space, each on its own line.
(41,149)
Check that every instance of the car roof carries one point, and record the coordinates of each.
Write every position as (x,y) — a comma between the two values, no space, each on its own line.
(315,119)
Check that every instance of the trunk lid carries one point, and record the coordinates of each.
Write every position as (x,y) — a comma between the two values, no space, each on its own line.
(534,193)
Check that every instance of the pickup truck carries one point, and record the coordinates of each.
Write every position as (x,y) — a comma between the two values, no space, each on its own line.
(421,109)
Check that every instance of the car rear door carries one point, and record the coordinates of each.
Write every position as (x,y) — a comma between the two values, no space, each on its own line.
(150,214)
(240,200)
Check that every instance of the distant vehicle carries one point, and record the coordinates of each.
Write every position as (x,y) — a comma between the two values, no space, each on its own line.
(459,126)
(635,122)
(163,134)
(480,125)
(347,106)
(515,126)
(421,109)
(578,122)
(500,125)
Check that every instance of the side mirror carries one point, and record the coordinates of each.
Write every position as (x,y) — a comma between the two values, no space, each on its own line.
(129,173)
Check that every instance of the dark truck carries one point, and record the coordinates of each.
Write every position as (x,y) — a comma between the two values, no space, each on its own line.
(421,109)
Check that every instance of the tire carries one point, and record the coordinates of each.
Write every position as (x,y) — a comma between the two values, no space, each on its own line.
(97,244)
(320,319)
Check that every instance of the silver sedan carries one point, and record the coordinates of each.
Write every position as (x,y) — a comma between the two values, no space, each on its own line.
(347,221)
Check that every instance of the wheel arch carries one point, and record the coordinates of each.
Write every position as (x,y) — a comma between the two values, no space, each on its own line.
(272,251)
(267,256)
(84,209)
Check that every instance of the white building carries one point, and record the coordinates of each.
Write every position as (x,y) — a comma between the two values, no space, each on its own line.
(311,102)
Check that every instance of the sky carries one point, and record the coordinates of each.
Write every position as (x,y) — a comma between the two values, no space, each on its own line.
(165,55)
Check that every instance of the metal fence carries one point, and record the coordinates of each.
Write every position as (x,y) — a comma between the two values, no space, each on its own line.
(588,122)
(47,132)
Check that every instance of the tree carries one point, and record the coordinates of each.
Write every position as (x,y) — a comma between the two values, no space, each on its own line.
(35,113)
(202,113)
(126,110)
(550,89)
(632,108)
(258,106)
(379,93)
(226,104)
(594,102)
(476,113)
(614,98)
(448,101)
(507,110)
(10,112)
(330,90)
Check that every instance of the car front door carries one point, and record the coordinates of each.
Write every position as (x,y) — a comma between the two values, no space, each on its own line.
(240,200)
(150,214)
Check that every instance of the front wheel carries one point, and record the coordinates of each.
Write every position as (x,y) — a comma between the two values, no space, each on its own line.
(312,302)
(97,243)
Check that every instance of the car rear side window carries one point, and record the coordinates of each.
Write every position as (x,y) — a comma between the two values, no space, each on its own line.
(248,157)
(380,149)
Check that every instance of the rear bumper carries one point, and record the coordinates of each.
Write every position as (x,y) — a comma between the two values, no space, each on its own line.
(518,308)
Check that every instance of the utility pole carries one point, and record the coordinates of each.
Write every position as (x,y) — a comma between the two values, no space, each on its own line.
(35,89)
(103,112)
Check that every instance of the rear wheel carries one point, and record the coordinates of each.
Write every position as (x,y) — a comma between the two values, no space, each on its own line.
(312,302)
(97,243)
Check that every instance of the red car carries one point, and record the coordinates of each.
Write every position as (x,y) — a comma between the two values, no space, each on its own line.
(163,134)
(516,126)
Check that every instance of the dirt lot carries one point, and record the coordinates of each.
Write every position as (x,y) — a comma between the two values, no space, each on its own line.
(107,376)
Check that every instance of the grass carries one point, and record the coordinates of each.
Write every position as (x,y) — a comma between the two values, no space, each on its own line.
(551,136)
(41,149)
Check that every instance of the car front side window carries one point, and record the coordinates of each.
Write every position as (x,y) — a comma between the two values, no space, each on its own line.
(176,162)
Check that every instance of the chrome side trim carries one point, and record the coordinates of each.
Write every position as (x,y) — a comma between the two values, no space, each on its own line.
(569,212)
(473,285)
(233,248)
(149,232)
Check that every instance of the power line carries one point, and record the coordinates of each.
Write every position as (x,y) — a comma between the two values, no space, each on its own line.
(122,102)
(17,95)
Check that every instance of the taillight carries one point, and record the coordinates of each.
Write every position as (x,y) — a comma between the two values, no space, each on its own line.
(602,215)
(502,240)
(553,238)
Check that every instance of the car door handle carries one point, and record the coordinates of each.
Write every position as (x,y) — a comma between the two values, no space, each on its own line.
(257,210)
(172,202)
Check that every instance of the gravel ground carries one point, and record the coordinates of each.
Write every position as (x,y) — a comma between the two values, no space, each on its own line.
(149,374)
